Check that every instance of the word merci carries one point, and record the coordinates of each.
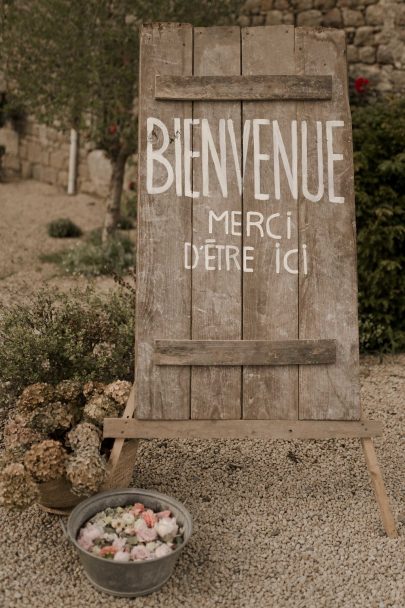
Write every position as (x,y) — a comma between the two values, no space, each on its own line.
(167,168)
(214,256)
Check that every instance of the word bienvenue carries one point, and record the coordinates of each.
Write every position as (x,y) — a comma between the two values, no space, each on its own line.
(177,167)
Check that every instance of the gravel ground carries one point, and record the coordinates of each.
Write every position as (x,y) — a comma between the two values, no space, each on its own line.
(277,524)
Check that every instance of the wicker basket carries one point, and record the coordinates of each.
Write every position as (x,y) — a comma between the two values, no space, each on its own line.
(57,497)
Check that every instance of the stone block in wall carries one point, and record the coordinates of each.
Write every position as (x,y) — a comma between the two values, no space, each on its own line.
(288,18)
(62,179)
(26,169)
(310,18)
(364,35)
(384,54)
(367,54)
(332,18)
(59,158)
(324,5)
(302,5)
(274,18)
(11,163)
(37,172)
(375,14)
(352,18)
(100,171)
(22,150)
(49,175)
(10,140)
(352,53)
(33,150)
(83,170)
(251,6)
(282,5)
(266,5)
(243,20)
(258,19)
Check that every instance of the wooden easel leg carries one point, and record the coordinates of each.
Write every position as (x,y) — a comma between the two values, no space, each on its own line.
(379,488)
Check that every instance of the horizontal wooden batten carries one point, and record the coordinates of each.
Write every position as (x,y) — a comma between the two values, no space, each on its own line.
(245,88)
(239,429)
(244,352)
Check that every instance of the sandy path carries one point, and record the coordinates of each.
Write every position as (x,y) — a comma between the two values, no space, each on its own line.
(26,207)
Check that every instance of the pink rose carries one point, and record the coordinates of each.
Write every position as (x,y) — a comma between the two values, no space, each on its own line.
(149,518)
(146,535)
(162,514)
(139,553)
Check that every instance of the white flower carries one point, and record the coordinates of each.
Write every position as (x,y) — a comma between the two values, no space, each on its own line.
(163,550)
(122,556)
(119,543)
(127,519)
(152,546)
(140,525)
(140,552)
(167,528)
(110,536)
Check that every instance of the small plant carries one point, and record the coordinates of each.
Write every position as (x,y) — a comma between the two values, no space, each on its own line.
(63,228)
(125,223)
(58,336)
(94,258)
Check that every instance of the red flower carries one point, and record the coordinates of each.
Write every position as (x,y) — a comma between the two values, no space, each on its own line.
(112,129)
(360,84)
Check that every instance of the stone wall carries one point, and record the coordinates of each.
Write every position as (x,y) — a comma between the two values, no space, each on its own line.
(375,32)
(42,153)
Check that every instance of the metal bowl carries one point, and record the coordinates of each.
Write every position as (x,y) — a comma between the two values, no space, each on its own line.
(128,579)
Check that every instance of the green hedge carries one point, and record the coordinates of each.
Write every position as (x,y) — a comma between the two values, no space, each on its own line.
(379,160)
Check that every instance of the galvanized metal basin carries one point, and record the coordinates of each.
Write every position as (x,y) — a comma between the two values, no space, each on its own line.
(132,578)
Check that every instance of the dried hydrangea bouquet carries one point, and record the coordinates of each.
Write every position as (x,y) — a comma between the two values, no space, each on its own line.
(55,434)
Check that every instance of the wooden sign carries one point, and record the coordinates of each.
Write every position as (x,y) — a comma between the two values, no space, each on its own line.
(246,311)
(246,288)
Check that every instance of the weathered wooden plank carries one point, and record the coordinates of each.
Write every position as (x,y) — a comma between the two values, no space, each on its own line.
(163,299)
(238,429)
(270,299)
(328,293)
(217,294)
(383,502)
(244,352)
(231,88)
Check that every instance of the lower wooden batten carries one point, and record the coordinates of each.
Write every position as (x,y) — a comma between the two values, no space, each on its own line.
(239,429)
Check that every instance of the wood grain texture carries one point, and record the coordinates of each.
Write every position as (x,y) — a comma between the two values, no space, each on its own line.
(234,88)
(244,352)
(216,295)
(379,488)
(328,294)
(270,300)
(238,429)
(163,302)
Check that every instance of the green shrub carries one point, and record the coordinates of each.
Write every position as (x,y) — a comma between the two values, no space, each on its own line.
(63,228)
(125,223)
(379,159)
(94,258)
(57,336)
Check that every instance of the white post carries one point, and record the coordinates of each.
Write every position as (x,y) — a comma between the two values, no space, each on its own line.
(72,162)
